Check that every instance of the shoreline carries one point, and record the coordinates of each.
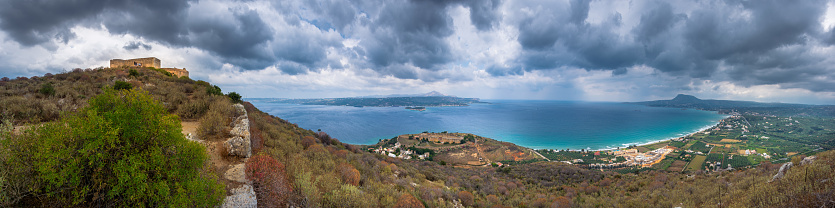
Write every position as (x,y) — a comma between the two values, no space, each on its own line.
(655,141)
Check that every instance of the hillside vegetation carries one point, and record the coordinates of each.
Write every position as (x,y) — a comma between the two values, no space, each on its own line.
(102,164)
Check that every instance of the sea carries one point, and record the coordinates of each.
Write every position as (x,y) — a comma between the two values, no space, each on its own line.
(572,125)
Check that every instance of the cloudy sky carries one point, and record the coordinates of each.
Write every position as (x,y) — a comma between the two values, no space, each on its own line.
(761,50)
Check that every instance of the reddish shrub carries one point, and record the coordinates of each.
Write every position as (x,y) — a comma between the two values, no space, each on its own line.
(342,153)
(308,141)
(256,140)
(466,198)
(350,175)
(408,201)
(562,201)
(269,180)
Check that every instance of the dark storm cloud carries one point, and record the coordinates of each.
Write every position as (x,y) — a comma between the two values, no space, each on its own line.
(38,21)
(166,21)
(483,13)
(133,45)
(759,42)
(742,42)
(557,37)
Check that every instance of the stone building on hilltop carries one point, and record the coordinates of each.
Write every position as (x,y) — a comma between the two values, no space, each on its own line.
(147,62)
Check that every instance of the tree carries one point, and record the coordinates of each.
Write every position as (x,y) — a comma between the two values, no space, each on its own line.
(236,98)
(123,150)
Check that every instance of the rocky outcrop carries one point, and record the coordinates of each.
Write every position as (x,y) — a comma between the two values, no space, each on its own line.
(782,173)
(243,196)
(808,160)
(239,144)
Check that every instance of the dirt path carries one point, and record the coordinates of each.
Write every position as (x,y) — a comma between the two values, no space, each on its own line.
(190,127)
(540,155)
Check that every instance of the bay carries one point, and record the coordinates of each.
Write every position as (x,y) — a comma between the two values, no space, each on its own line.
(534,124)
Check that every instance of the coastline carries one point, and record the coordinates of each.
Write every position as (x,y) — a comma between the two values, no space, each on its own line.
(437,120)
(656,141)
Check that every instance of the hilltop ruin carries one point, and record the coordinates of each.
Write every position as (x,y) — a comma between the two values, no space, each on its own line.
(147,62)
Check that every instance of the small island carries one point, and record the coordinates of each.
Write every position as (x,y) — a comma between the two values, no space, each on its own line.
(420,108)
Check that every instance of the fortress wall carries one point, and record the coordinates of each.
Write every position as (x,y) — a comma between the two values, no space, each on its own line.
(178,72)
(146,62)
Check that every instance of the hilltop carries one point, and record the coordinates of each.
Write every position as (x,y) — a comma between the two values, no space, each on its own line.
(454,149)
(291,166)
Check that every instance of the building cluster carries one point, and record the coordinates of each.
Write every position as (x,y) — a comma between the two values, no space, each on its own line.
(635,158)
(397,151)
(649,158)
(754,152)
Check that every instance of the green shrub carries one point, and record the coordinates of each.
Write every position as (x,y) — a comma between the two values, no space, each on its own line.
(213,90)
(122,150)
(236,98)
(133,72)
(47,89)
(120,85)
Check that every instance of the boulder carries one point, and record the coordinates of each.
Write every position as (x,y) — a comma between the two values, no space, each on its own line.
(243,196)
(783,169)
(808,160)
(236,173)
(238,146)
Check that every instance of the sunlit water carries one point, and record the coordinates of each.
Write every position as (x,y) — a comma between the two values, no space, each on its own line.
(534,124)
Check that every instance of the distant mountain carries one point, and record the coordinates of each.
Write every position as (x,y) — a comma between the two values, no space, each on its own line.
(428,94)
(431,99)
(689,101)
(744,107)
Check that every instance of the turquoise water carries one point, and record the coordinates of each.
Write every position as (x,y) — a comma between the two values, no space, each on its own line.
(534,124)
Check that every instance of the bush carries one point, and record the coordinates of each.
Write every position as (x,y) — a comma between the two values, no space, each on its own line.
(215,123)
(270,180)
(120,85)
(350,175)
(406,200)
(236,98)
(349,196)
(193,109)
(213,90)
(133,72)
(466,198)
(122,150)
(47,89)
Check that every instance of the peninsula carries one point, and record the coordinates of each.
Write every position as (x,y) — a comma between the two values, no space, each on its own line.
(431,99)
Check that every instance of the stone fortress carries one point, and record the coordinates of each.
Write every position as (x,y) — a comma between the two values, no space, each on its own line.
(147,62)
